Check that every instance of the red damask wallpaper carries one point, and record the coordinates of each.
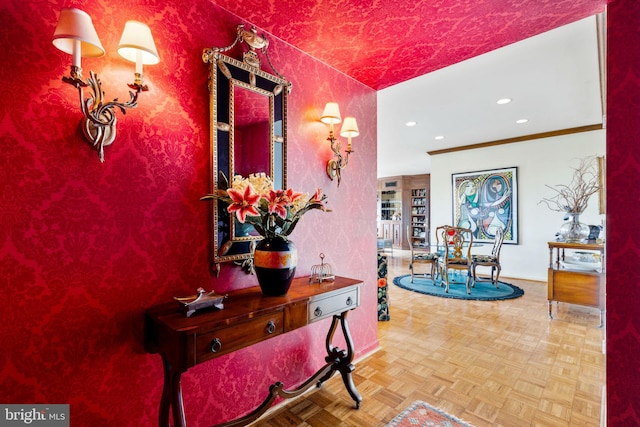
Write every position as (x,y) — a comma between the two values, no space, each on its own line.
(623,209)
(425,36)
(85,247)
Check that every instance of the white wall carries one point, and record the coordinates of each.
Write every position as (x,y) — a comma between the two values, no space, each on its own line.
(539,162)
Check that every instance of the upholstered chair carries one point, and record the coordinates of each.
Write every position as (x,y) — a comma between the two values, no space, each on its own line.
(457,255)
(423,257)
(492,261)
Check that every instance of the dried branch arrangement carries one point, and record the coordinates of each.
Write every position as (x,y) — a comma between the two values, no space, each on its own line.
(574,197)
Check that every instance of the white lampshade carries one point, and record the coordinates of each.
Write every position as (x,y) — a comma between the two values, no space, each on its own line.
(349,127)
(137,45)
(331,114)
(76,35)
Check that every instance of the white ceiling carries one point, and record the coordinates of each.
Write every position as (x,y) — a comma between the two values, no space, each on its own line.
(553,80)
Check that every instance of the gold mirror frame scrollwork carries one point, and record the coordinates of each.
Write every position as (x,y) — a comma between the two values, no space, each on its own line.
(226,75)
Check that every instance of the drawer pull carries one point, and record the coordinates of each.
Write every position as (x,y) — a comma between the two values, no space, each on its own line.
(271,327)
(349,301)
(216,345)
(317,312)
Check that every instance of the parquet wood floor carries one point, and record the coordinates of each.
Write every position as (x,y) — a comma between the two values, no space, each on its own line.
(495,363)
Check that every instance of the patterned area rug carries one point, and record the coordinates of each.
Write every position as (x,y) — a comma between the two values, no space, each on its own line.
(483,291)
(421,414)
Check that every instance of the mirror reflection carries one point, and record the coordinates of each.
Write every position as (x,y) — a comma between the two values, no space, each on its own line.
(251,131)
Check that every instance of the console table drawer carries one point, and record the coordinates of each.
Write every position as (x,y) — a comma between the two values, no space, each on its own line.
(327,305)
(226,340)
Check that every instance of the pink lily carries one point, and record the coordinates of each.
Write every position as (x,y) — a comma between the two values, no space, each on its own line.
(317,198)
(291,196)
(243,204)
(277,202)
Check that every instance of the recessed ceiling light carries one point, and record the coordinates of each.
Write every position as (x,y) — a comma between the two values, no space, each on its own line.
(522,121)
(504,101)
(409,124)
(439,137)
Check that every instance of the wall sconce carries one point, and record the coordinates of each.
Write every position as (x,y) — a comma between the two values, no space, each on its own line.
(331,116)
(76,36)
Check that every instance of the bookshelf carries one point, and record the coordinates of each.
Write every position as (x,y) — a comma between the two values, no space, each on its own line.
(389,215)
(391,205)
(419,230)
(403,201)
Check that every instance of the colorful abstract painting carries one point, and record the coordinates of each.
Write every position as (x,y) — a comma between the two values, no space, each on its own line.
(485,201)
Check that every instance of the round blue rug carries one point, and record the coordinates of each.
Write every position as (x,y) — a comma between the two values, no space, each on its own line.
(483,291)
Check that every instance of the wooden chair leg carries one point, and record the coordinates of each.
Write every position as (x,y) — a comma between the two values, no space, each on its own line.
(472,274)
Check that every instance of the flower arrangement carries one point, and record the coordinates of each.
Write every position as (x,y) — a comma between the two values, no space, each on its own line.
(273,213)
(573,198)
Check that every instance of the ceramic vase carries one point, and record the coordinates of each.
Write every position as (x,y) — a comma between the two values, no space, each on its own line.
(275,261)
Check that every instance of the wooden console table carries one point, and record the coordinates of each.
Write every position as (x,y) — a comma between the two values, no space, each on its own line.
(249,317)
(573,283)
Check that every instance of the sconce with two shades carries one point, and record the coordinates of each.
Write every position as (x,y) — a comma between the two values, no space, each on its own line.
(76,36)
(331,116)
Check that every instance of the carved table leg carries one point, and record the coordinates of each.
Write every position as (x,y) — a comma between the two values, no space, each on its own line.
(165,401)
(337,361)
(341,359)
(176,405)
(171,397)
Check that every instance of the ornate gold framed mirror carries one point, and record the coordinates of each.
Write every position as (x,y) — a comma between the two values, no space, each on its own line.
(248,133)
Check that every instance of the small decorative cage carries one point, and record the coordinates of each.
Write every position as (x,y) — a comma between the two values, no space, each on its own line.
(321,272)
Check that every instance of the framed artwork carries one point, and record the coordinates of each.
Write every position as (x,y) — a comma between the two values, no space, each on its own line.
(486,200)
